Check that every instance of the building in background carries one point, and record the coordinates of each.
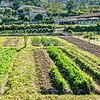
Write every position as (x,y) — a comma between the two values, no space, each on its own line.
(85,19)
(6,3)
(34,10)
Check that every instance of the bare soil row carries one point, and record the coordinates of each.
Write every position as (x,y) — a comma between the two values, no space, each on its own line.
(94,49)
(43,63)
(11,42)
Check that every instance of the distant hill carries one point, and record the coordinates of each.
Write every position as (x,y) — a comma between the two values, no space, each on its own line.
(78,2)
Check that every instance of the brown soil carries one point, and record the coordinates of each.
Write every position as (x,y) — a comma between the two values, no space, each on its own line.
(11,42)
(94,49)
(44,63)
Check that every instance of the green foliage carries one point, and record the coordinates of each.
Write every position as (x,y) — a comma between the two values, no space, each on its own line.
(8,19)
(18,29)
(18,3)
(26,18)
(84,28)
(53,8)
(90,35)
(70,6)
(27,9)
(21,27)
(6,57)
(20,80)
(45,41)
(83,63)
(58,80)
(85,34)
(79,82)
(39,17)
(36,41)
(25,39)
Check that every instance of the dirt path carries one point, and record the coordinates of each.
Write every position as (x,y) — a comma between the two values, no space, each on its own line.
(44,63)
(94,49)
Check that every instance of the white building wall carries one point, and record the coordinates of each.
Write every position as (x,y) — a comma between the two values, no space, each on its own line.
(32,14)
(35,10)
(4,3)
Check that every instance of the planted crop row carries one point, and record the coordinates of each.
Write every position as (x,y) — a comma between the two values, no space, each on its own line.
(84,28)
(37,41)
(40,30)
(21,82)
(20,27)
(79,82)
(6,57)
(87,55)
(59,82)
(82,62)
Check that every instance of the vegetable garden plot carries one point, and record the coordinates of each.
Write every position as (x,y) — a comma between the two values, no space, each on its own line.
(11,42)
(85,64)
(22,83)
(80,83)
(6,57)
(44,64)
(94,49)
(50,79)
(44,41)
(59,82)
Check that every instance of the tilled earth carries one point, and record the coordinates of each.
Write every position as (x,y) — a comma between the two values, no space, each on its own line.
(44,63)
(11,42)
(94,49)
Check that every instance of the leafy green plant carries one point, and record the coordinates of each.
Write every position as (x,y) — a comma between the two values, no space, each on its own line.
(46,41)
(6,57)
(79,82)
(58,80)
(36,41)
(82,63)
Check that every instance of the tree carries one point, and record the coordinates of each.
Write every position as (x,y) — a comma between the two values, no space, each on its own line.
(17,4)
(2,10)
(39,17)
(53,8)
(29,3)
(27,9)
(70,6)
(26,18)
(8,10)
(25,39)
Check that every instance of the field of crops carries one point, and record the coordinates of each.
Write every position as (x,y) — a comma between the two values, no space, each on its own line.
(49,68)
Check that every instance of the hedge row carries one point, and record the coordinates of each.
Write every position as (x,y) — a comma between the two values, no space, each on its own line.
(40,30)
(84,28)
(21,27)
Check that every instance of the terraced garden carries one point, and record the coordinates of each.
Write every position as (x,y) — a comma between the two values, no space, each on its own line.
(48,68)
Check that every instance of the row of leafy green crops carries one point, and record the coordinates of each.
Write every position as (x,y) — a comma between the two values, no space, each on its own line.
(90,58)
(37,41)
(85,54)
(21,82)
(6,56)
(84,64)
(60,83)
(80,83)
